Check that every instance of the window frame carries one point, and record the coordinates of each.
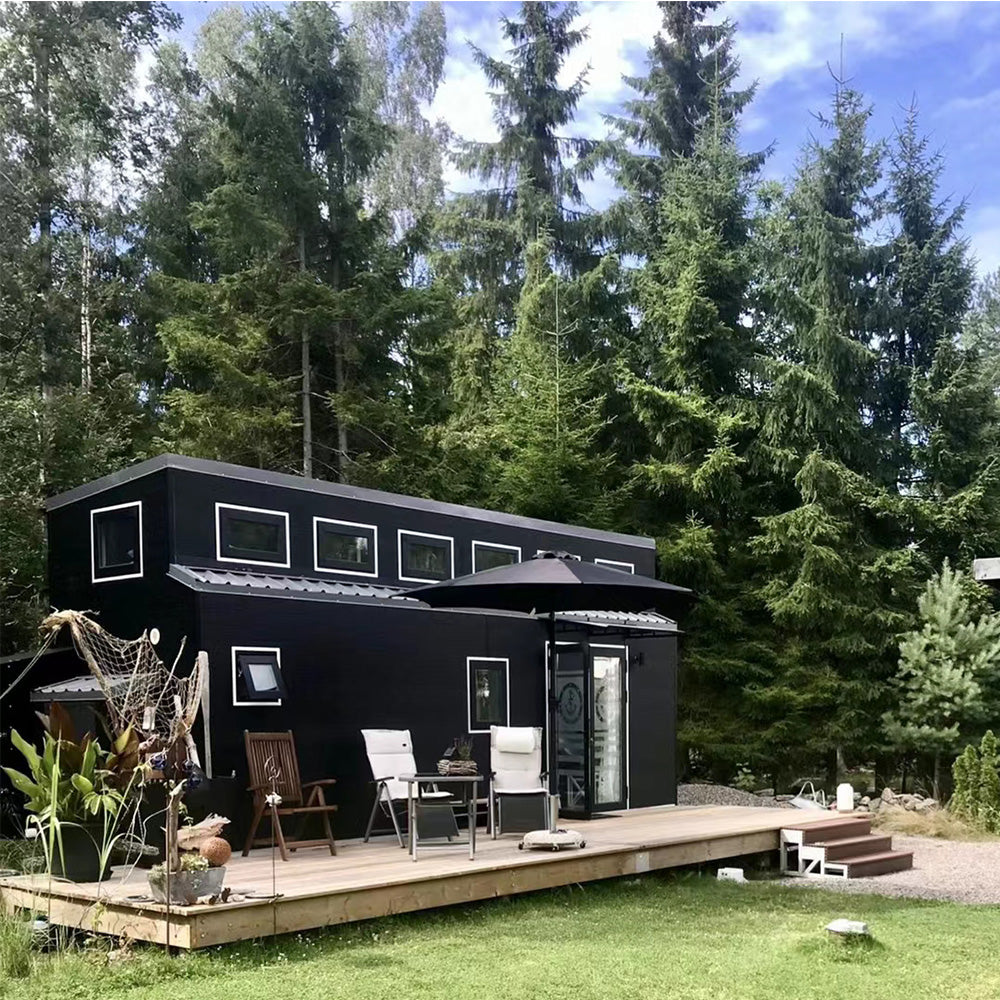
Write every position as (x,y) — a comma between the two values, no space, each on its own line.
(400,532)
(615,564)
(235,651)
(220,507)
(94,578)
(373,528)
(469,661)
(494,545)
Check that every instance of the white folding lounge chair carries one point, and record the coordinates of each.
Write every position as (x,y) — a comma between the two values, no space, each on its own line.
(516,776)
(390,754)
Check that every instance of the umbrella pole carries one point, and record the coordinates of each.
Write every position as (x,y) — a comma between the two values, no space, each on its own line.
(553,709)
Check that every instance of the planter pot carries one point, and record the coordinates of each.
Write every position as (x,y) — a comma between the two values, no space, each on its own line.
(80,858)
(187,886)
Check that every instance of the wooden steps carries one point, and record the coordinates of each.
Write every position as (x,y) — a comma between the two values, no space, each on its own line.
(841,847)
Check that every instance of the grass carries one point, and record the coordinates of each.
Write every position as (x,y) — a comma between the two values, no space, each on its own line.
(686,937)
(929,823)
(21,855)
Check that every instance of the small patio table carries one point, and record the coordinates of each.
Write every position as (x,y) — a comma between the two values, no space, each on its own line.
(465,788)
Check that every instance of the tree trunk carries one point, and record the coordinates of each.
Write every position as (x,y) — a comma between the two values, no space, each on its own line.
(937,775)
(307,437)
(85,330)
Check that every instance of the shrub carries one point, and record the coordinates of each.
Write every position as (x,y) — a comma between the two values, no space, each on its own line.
(976,798)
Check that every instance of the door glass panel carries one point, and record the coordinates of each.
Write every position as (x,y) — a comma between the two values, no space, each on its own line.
(570,697)
(609,736)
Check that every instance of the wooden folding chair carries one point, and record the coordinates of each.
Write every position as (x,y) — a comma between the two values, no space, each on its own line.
(274,767)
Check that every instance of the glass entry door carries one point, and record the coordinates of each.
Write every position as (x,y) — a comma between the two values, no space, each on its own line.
(590,704)
(607,742)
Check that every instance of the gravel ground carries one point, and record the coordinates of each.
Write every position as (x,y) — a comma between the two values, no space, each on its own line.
(942,869)
(721,795)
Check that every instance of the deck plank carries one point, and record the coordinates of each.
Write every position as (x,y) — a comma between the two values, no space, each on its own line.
(315,889)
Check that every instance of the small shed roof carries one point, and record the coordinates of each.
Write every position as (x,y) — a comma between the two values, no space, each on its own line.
(83,688)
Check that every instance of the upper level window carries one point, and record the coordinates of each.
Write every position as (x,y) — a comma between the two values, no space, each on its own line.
(625,567)
(425,558)
(251,535)
(490,555)
(257,676)
(345,547)
(116,542)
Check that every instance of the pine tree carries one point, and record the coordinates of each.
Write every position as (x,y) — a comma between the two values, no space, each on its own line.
(943,667)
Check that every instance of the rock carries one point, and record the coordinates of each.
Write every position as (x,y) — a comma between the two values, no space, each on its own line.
(862,807)
(875,805)
(857,796)
(784,798)
(888,795)
(843,928)
(765,793)
(865,800)
(925,804)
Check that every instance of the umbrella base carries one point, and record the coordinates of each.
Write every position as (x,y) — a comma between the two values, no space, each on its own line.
(551,840)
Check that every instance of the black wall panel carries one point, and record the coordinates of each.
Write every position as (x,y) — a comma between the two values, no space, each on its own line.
(653,721)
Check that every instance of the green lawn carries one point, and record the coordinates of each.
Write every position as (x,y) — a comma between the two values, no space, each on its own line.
(679,937)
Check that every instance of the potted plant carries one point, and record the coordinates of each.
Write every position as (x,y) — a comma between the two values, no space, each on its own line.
(75,806)
(196,865)
(457,758)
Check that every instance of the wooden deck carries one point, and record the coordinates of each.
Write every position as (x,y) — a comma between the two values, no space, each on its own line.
(376,879)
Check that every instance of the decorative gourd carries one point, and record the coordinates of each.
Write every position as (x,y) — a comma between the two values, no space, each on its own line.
(216,851)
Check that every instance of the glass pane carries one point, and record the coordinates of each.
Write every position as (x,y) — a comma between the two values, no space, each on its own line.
(428,559)
(490,697)
(262,676)
(343,549)
(570,700)
(490,558)
(608,730)
(260,537)
(117,539)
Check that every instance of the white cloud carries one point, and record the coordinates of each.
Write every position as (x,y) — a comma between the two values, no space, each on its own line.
(983,228)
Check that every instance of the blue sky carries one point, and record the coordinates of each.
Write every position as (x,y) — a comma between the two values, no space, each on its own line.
(945,56)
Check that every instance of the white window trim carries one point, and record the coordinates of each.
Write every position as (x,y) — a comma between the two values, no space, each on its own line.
(219,507)
(614,564)
(468,687)
(254,649)
(421,534)
(317,521)
(493,545)
(94,578)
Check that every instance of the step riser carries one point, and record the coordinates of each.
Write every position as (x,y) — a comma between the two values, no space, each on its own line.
(836,852)
(879,868)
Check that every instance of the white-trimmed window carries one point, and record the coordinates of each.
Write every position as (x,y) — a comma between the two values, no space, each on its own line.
(488,688)
(257,679)
(345,547)
(490,555)
(425,558)
(625,567)
(251,535)
(116,542)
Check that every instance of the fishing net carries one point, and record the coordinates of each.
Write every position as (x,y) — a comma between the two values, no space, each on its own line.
(139,690)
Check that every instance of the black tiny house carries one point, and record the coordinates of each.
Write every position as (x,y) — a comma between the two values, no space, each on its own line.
(295,588)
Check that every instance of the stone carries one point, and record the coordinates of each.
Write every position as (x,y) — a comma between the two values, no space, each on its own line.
(765,793)
(857,796)
(888,794)
(843,928)
(925,804)
(866,800)
(875,805)
(784,798)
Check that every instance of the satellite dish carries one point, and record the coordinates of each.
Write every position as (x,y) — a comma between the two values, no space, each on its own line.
(154,635)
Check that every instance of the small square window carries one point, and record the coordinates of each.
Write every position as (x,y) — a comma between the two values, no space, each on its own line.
(345,547)
(116,542)
(425,558)
(251,535)
(488,682)
(257,677)
(489,555)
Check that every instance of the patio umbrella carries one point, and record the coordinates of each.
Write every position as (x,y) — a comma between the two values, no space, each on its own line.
(551,582)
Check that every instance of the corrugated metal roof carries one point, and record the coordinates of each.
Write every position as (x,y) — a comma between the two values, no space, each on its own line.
(83,688)
(648,620)
(270,582)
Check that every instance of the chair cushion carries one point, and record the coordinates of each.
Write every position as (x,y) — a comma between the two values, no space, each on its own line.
(536,790)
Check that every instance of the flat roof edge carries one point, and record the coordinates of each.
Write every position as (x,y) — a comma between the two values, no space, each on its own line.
(987,570)
(263,477)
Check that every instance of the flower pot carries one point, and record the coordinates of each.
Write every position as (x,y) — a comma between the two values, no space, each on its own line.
(80,857)
(185,887)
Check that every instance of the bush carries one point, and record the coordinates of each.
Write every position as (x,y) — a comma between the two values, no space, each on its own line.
(976,798)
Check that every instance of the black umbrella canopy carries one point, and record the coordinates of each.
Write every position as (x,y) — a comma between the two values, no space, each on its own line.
(555,582)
